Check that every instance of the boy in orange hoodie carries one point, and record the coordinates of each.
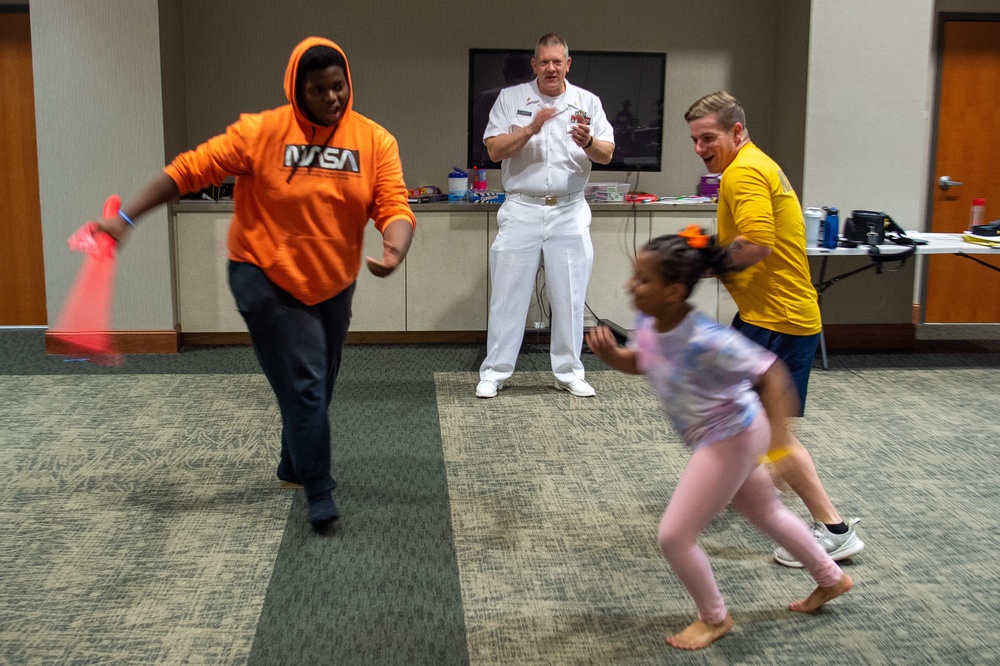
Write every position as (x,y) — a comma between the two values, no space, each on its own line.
(309,176)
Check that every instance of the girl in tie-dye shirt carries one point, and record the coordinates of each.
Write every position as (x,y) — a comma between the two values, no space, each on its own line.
(729,399)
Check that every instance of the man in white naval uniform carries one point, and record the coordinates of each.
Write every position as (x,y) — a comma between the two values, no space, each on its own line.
(546,133)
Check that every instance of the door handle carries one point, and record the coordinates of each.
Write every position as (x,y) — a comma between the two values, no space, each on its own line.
(944,182)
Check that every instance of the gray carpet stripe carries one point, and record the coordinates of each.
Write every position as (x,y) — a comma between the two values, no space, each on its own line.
(383,587)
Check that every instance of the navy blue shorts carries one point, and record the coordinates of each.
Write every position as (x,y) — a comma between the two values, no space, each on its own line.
(797,352)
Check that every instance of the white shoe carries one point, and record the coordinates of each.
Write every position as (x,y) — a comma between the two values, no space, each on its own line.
(837,546)
(488,389)
(577,387)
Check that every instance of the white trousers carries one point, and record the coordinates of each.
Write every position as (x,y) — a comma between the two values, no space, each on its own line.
(560,236)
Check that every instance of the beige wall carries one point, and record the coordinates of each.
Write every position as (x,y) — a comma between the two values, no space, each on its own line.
(866,144)
(982,6)
(790,78)
(840,93)
(868,108)
(410,64)
(174,94)
(99,120)
(409,61)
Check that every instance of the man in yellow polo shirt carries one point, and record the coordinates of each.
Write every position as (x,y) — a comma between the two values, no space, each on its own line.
(760,220)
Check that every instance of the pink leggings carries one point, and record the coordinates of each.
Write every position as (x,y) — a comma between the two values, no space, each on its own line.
(724,473)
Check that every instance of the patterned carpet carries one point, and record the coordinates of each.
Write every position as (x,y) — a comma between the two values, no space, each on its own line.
(141,522)
(135,528)
(555,503)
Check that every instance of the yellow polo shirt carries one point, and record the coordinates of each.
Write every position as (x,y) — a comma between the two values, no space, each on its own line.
(756,201)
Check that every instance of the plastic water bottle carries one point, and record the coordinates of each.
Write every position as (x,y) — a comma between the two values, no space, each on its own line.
(814,220)
(458,185)
(480,185)
(978,212)
(831,228)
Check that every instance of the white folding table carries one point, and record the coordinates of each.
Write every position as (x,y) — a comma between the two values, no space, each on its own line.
(936,244)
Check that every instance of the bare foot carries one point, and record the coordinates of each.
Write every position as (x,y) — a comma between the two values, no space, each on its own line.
(821,595)
(700,634)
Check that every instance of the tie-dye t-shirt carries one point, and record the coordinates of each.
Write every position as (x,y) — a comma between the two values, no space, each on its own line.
(704,374)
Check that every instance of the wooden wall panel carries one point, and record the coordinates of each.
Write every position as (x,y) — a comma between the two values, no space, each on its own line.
(22,267)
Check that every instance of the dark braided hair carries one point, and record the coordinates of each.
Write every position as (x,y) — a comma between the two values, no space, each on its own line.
(681,262)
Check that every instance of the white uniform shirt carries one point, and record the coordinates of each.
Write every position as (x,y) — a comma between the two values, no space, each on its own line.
(551,162)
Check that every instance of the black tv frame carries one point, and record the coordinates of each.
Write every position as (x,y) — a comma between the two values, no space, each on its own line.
(639,148)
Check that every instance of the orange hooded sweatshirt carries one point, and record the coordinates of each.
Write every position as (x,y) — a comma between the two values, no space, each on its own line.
(303,192)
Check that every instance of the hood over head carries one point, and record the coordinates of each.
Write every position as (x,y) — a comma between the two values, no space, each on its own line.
(292,70)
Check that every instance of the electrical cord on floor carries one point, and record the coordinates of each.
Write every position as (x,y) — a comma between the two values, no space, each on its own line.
(537,345)
(635,233)
(586,349)
(546,313)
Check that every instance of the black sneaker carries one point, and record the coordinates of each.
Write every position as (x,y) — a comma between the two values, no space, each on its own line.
(322,511)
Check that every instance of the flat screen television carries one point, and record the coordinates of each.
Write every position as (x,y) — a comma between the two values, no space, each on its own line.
(630,85)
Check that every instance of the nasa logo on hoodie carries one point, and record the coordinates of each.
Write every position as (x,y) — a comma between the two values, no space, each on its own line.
(322,157)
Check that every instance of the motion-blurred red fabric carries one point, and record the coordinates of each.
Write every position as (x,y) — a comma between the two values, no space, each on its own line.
(84,324)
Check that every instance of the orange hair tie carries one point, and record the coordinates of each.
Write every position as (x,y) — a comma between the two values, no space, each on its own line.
(695,237)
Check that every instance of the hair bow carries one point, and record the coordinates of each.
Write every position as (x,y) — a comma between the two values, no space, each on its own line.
(694,236)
